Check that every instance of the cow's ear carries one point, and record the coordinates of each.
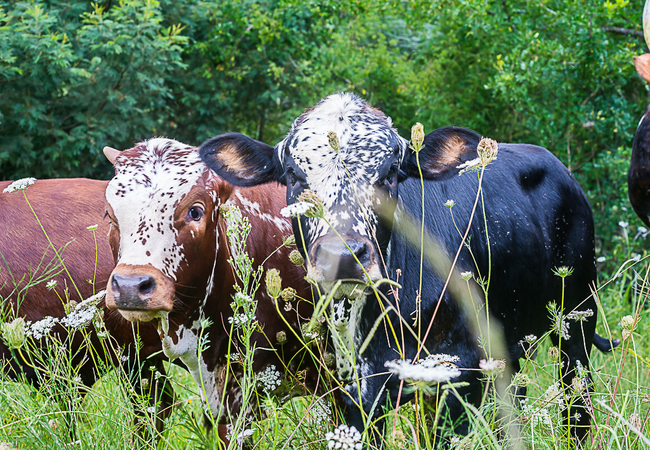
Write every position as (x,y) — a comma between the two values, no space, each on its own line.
(642,64)
(443,151)
(241,160)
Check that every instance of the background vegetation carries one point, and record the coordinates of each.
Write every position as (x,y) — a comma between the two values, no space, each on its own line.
(76,76)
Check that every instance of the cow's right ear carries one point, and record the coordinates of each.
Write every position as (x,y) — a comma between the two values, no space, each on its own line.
(241,160)
(443,153)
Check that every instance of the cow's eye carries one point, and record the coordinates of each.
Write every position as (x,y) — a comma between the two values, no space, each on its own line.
(391,176)
(195,213)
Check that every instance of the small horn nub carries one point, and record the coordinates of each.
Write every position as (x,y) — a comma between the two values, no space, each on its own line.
(646,22)
(111,154)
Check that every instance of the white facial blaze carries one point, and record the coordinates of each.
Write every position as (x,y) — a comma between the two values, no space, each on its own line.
(344,180)
(144,194)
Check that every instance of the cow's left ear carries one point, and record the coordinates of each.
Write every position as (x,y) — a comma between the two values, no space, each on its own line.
(443,151)
(241,160)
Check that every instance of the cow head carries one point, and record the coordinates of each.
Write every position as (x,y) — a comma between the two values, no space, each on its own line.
(352,158)
(163,206)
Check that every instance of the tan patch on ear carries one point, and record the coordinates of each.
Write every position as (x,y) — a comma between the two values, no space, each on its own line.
(448,155)
(642,64)
(229,157)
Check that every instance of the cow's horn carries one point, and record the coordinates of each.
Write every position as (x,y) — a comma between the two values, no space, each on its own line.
(111,154)
(646,22)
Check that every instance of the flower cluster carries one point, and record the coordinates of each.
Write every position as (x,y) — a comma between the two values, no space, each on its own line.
(270,379)
(345,438)
(433,369)
(492,367)
(296,258)
(580,316)
(19,185)
(628,325)
(273,283)
(333,141)
(241,320)
(43,327)
(84,312)
(320,412)
(417,137)
(296,209)
(13,333)
(487,150)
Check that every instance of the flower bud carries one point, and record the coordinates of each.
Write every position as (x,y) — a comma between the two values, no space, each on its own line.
(289,240)
(333,141)
(296,258)
(273,283)
(281,337)
(417,137)
(13,333)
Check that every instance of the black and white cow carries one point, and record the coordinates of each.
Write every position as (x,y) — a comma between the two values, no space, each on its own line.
(537,219)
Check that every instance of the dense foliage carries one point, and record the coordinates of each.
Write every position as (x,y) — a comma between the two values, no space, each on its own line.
(75,76)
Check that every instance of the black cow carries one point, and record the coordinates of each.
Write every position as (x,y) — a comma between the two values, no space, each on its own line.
(537,218)
(638,176)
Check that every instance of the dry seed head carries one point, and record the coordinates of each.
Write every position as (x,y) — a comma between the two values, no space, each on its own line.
(553,353)
(487,150)
(281,337)
(296,258)
(333,141)
(635,421)
(417,137)
(288,294)
(289,240)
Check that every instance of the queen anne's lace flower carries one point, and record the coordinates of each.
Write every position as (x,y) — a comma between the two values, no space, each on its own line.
(426,371)
(345,438)
(296,209)
(19,185)
(269,379)
(42,327)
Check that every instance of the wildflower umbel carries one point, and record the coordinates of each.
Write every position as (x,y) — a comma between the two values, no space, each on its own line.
(466,275)
(269,379)
(417,137)
(310,196)
(487,150)
(288,294)
(19,185)
(628,324)
(425,372)
(273,283)
(450,204)
(492,367)
(345,438)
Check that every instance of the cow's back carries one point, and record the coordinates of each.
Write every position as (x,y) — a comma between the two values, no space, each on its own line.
(538,219)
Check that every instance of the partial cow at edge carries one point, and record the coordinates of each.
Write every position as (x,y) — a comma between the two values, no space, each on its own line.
(537,218)
(638,176)
(66,208)
(172,253)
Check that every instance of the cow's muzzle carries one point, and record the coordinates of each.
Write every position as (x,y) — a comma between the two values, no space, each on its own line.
(139,292)
(332,259)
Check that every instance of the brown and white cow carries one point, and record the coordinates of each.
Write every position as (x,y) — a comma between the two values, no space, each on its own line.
(65,208)
(172,267)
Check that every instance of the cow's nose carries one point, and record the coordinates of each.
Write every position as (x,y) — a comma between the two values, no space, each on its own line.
(338,261)
(132,292)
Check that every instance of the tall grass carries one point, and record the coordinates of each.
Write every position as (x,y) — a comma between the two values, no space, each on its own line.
(63,413)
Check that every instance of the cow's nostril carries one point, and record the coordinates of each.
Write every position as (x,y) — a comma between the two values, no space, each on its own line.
(115,285)
(147,286)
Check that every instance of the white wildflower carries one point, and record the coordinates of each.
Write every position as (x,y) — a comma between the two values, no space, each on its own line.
(20,185)
(345,438)
(492,367)
(469,165)
(151,409)
(124,358)
(51,284)
(642,230)
(320,411)
(554,395)
(14,332)
(80,317)
(91,227)
(42,327)
(466,275)
(296,209)
(580,316)
(450,204)
(530,338)
(240,320)
(269,379)
(623,224)
(601,259)
(419,373)
(144,383)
